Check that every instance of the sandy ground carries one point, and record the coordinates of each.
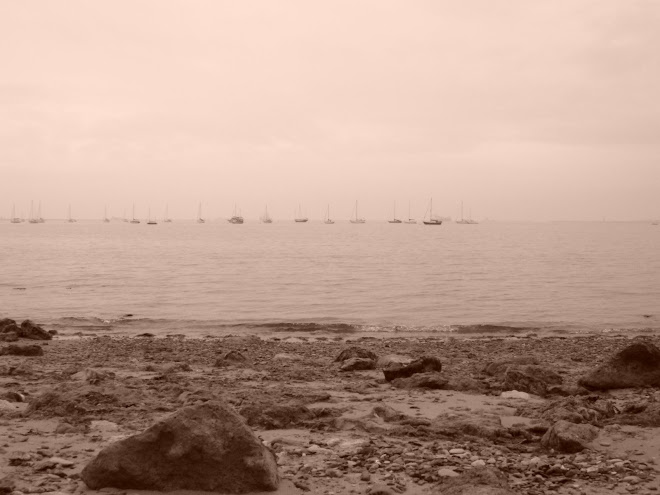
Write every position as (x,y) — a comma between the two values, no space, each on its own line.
(332,432)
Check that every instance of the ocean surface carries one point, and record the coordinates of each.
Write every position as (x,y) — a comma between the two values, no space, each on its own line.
(342,279)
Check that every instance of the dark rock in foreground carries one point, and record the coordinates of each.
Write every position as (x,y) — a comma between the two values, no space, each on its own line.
(568,437)
(424,364)
(22,350)
(532,379)
(206,447)
(355,352)
(638,365)
(32,331)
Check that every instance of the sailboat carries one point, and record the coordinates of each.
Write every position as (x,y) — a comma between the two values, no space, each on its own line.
(40,219)
(328,220)
(167,218)
(300,218)
(14,218)
(199,214)
(69,218)
(124,219)
(432,220)
(410,219)
(394,218)
(32,218)
(266,217)
(134,220)
(357,218)
(470,221)
(105,215)
(462,221)
(149,220)
(236,218)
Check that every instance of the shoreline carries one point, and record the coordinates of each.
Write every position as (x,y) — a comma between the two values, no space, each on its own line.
(330,430)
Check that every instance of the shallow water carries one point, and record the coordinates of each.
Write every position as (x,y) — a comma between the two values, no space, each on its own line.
(213,278)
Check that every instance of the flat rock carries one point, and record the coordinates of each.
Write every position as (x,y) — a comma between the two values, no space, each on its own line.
(22,350)
(357,364)
(638,365)
(424,364)
(568,437)
(355,352)
(433,381)
(206,447)
(477,481)
(532,379)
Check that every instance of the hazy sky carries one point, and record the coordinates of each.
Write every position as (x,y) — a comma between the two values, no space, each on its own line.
(523,109)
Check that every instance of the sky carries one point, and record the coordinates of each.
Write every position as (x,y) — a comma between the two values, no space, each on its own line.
(522,110)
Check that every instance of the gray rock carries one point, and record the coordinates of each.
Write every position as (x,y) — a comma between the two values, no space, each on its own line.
(356,364)
(22,350)
(569,437)
(532,379)
(30,330)
(477,481)
(638,365)
(422,380)
(206,447)
(424,364)
(355,352)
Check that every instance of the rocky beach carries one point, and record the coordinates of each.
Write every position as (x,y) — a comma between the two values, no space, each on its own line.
(472,415)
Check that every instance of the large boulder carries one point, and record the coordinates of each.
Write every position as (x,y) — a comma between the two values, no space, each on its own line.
(568,437)
(206,447)
(8,325)
(638,365)
(532,379)
(32,331)
(425,364)
(355,352)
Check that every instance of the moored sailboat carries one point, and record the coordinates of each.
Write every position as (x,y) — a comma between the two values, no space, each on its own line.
(32,218)
(265,218)
(394,218)
(199,214)
(432,220)
(167,218)
(150,221)
(357,218)
(70,219)
(14,218)
(410,219)
(236,218)
(327,219)
(300,218)
(134,220)
(105,215)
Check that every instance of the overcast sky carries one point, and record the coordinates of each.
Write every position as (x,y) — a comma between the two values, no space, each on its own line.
(522,109)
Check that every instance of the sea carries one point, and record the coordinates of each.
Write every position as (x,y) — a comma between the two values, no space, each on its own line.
(314,280)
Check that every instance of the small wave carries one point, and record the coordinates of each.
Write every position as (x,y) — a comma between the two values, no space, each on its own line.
(485,328)
(304,327)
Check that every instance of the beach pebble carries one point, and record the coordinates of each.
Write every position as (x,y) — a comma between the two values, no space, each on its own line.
(447,473)
(515,394)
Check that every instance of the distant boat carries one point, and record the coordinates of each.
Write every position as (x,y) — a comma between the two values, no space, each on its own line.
(14,218)
(149,219)
(463,221)
(266,217)
(70,219)
(199,214)
(167,218)
(32,218)
(328,220)
(300,218)
(40,219)
(394,218)
(357,218)
(236,218)
(134,220)
(410,219)
(105,215)
(432,220)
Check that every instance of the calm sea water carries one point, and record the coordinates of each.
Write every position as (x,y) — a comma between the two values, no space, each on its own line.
(215,278)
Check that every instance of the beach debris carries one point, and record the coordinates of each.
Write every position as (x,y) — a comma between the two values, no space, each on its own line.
(32,331)
(206,447)
(434,381)
(355,352)
(568,437)
(530,378)
(424,364)
(22,350)
(357,364)
(638,365)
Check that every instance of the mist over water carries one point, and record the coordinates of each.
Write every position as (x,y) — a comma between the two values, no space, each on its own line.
(219,278)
